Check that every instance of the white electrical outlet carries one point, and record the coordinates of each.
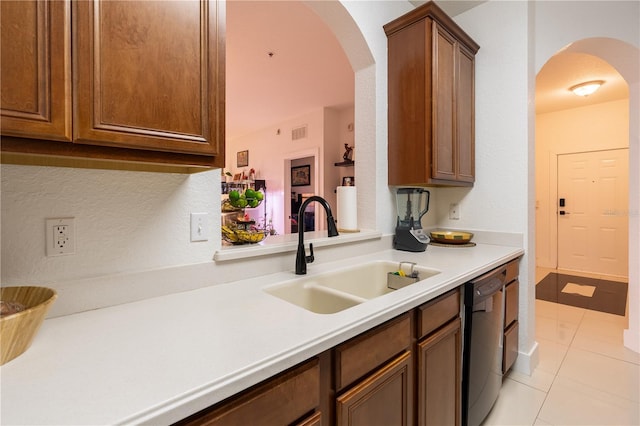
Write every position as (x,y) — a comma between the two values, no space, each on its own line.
(454,211)
(199,227)
(60,236)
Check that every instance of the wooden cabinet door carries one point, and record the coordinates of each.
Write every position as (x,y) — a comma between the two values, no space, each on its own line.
(439,377)
(453,110)
(409,109)
(36,69)
(511,301)
(444,102)
(149,75)
(383,398)
(465,115)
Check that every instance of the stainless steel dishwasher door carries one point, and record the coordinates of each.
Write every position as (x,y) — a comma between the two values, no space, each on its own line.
(482,356)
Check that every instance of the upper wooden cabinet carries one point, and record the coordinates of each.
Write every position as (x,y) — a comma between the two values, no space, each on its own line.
(431,100)
(35,49)
(146,83)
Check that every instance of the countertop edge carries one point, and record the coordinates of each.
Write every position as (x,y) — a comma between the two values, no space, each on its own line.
(289,243)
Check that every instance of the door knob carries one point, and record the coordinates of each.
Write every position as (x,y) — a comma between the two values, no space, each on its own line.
(562,213)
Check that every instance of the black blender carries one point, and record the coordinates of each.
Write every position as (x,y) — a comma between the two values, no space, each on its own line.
(412,204)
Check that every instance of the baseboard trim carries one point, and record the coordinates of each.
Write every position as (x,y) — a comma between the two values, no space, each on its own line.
(527,361)
(632,339)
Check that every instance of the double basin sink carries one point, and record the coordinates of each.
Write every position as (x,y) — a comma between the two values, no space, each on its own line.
(342,289)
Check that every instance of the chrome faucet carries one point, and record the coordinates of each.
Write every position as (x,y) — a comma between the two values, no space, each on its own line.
(301,257)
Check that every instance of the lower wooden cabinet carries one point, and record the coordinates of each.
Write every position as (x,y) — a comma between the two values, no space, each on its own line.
(510,338)
(383,398)
(289,398)
(439,376)
(510,349)
(406,371)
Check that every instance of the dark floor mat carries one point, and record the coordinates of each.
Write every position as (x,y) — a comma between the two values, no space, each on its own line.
(609,296)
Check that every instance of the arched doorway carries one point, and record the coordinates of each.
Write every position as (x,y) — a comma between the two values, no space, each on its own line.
(625,58)
(573,132)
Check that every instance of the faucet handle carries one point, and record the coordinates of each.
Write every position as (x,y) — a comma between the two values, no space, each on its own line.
(309,259)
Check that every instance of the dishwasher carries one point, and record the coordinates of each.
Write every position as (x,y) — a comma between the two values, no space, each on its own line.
(482,353)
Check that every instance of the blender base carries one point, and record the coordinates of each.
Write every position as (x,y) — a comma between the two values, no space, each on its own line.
(405,241)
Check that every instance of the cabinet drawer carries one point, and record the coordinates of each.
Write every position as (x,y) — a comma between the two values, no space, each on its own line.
(278,401)
(368,351)
(513,269)
(511,303)
(510,349)
(434,314)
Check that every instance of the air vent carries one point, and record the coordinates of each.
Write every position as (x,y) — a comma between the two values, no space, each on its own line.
(299,133)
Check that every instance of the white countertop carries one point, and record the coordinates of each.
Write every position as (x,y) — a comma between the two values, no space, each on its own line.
(159,360)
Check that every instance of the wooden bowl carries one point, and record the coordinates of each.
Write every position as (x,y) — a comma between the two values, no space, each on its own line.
(451,237)
(18,330)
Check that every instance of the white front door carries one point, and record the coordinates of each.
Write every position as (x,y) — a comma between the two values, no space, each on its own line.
(593,223)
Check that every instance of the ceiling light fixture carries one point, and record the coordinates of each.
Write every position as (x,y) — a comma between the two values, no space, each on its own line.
(586,88)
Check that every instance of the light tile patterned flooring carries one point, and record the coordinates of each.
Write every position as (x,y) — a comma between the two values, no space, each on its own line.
(585,376)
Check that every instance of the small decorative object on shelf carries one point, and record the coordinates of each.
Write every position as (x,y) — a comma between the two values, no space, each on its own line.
(348,153)
(347,157)
(348,181)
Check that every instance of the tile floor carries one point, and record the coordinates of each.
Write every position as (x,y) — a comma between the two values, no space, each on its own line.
(585,376)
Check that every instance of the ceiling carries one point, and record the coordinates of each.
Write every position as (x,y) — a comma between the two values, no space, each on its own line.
(567,69)
(308,69)
(283,62)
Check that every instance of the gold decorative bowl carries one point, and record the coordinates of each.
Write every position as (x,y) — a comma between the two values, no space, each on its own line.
(451,237)
(17,330)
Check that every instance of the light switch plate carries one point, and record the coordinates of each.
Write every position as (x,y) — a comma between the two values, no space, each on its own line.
(454,211)
(199,227)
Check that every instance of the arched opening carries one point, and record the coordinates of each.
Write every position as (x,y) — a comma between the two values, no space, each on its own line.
(304,86)
(624,58)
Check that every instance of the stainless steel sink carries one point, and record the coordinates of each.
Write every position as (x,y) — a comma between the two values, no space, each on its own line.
(338,290)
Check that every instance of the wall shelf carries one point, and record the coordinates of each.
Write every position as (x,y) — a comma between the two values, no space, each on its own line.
(344,163)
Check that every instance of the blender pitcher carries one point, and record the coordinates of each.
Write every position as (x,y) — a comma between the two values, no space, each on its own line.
(411,204)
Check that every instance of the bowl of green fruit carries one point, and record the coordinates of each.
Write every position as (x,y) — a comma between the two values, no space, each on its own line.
(249,198)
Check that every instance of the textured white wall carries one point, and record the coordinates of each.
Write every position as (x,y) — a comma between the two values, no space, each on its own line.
(498,198)
(125,221)
(374,196)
